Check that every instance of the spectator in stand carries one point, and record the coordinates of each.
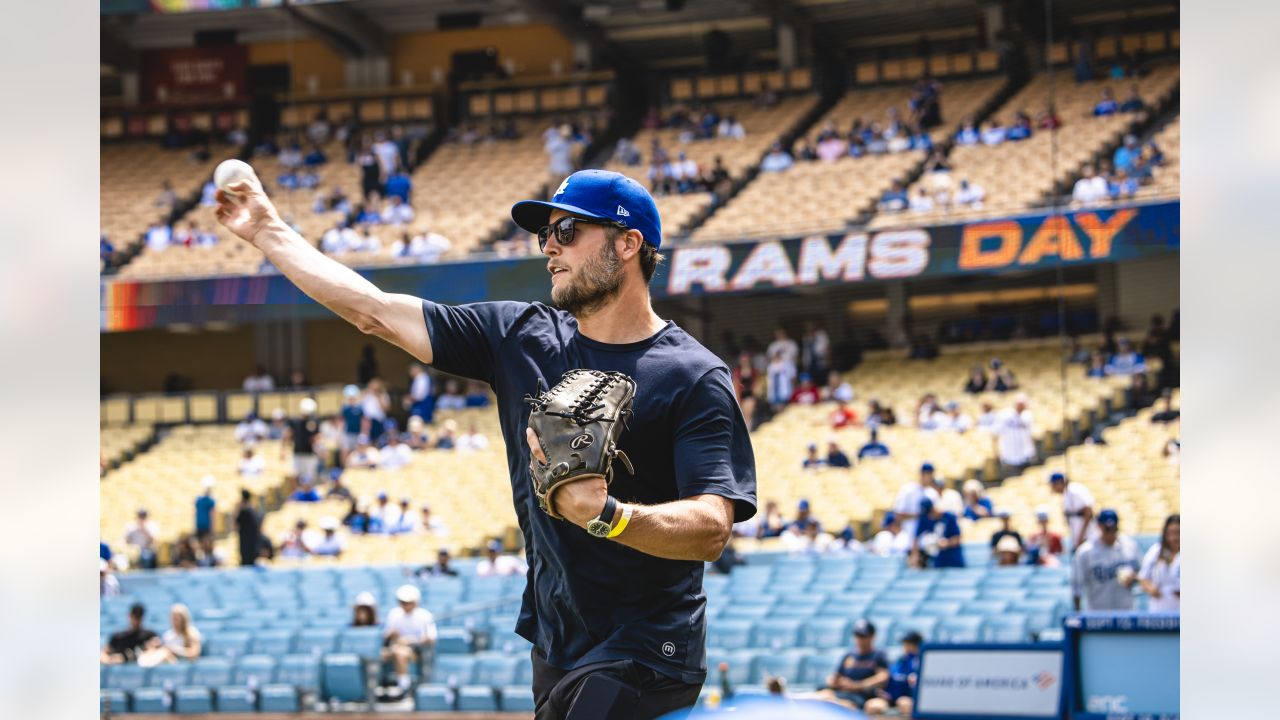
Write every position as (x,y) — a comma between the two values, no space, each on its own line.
(365,454)
(108,585)
(364,612)
(429,524)
(873,448)
(815,352)
(812,461)
(921,202)
(1168,414)
(495,563)
(402,520)
(1122,185)
(928,412)
(860,673)
(248,525)
(806,152)
(879,414)
(948,498)
(410,630)
(839,390)
(259,381)
(126,645)
(891,541)
(141,536)
(1006,530)
(477,394)
(903,673)
(1014,445)
(831,148)
(836,457)
(806,540)
(745,376)
(804,518)
(1105,569)
(374,405)
(1133,103)
(1044,546)
(937,536)
(1077,506)
(415,435)
(442,568)
(780,377)
(399,186)
(907,504)
(783,343)
(419,402)
(994,133)
(182,641)
(1127,154)
(1090,189)
(987,418)
(448,436)
(969,195)
(105,248)
(954,420)
(843,416)
(352,418)
(976,503)
(294,544)
(205,505)
(968,133)
(806,393)
(777,159)
(396,212)
(472,440)
(1097,366)
(451,398)
(894,199)
(1048,119)
(1008,552)
(1021,127)
(1126,361)
(1161,572)
(772,523)
(300,436)
(251,464)
(1107,105)
(1002,378)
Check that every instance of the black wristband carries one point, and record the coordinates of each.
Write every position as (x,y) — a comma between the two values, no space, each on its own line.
(610,507)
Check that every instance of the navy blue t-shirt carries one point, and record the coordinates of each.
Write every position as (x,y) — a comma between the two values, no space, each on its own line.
(352,415)
(589,600)
(946,527)
(204,513)
(856,666)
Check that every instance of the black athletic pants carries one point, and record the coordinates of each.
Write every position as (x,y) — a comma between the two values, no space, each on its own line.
(640,693)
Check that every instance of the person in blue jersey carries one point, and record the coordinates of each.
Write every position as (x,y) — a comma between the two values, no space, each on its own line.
(899,691)
(617,623)
(862,671)
(873,447)
(937,536)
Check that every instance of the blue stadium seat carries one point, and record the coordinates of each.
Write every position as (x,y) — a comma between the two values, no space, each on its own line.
(777,634)
(152,700)
(112,702)
(210,672)
(1006,628)
(801,607)
(272,642)
(452,641)
(279,698)
(453,669)
(729,634)
(740,665)
(494,669)
(434,698)
(315,641)
(192,701)
(750,576)
(986,608)
(815,667)
(745,612)
(1053,634)
(524,670)
(1009,577)
(779,664)
(227,643)
(477,698)
(1041,612)
(926,626)
(823,633)
(1010,594)
(940,608)
(960,594)
(915,579)
(236,699)
(343,677)
(244,624)
(169,676)
(516,698)
(363,641)
(128,677)
(300,671)
(893,608)
(902,596)
(960,629)
(328,622)
(254,670)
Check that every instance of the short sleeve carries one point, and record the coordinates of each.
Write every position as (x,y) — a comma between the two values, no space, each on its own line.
(844,659)
(1077,573)
(465,338)
(713,452)
(882,661)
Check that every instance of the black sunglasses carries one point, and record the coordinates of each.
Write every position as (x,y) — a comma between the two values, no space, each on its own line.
(565,229)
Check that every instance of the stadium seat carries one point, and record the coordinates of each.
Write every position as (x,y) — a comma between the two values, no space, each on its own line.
(152,700)
(960,594)
(926,626)
(300,671)
(524,669)
(1053,634)
(729,634)
(112,701)
(816,666)
(959,629)
(778,664)
(940,608)
(453,669)
(127,677)
(279,698)
(433,698)
(363,641)
(740,664)
(1005,628)
(746,613)
(254,670)
(452,641)
(516,698)
(893,608)
(227,643)
(236,699)
(477,698)
(1041,612)
(801,607)
(272,642)
(315,641)
(494,668)
(823,633)
(775,633)
(985,608)
(343,677)
(169,676)
(192,701)
(211,672)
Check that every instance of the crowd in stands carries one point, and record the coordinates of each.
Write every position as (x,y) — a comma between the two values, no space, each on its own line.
(1132,167)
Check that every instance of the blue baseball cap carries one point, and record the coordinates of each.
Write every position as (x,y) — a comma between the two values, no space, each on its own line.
(804,505)
(1108,517)
(927,467)
(863,627)
(1057,477)
(598,195)
(889,517)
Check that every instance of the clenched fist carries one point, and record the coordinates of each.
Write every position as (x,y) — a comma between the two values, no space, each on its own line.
(244,209)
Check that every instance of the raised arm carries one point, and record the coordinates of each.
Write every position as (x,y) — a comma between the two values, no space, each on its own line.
(396,318)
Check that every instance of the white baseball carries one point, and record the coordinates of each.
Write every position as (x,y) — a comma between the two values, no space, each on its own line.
(231,171)
(1124,574)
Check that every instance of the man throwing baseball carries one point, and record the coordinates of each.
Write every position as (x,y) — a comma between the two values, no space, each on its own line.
(614,604)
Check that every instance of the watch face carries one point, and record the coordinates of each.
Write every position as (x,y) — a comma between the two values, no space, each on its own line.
(598,528)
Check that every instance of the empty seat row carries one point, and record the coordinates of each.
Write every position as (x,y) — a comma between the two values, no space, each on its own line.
(194,700)
(1014,624)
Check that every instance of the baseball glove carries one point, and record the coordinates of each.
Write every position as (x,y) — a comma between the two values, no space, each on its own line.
(578,423)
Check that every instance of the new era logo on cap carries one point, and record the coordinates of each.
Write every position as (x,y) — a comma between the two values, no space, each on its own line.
(623,212)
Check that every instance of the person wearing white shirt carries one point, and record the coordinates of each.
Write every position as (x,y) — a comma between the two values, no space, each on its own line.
(495,563)
(159,235)
(251,465)
(809,541)
(330,545)
(949,499)
(970,195)
(777,160)
(955,420)
(396,212)
(993,134)
(430,524)
(387,153)
(429,246)
(1077,505)
(1161,572)
(364,454)
(351,240)
(250,430)
(408,631)
(259,381)
(906,507)
(141,534)
(780,380)
(395,455)
(472,441)
(987,418)
(290,157)
(1090,189)
(783,343)
(333,242)
(921,202)
(891,540)
(1015,446)
(405,521)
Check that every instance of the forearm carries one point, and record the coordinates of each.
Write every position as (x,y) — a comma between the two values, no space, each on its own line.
(324,279)
(680,530)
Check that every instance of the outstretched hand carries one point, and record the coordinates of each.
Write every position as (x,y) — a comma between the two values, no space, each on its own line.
(244,209)
(578,502)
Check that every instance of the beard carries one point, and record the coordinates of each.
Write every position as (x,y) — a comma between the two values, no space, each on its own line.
(594,284)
